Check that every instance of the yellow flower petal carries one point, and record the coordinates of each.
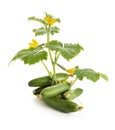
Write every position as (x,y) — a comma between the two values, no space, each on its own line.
(33,44)
(50,20)
(71,70)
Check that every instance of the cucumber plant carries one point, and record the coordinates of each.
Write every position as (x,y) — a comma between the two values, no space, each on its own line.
(55,88)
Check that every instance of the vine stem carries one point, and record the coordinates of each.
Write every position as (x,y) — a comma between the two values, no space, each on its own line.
(74,81)
(46,68)
(50,55)
(56,58)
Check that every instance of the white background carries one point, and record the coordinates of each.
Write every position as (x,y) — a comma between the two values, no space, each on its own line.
(88,22)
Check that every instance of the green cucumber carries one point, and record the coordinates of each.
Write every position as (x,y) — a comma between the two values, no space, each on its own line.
(55,90)
(47,81)
(62,76)
(62,104)
(38,90)
(72,94)
(41,81)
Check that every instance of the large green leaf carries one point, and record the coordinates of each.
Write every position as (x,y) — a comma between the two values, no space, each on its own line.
(39,31)
(69,51)
(88,73)
(54,29)
(31,55)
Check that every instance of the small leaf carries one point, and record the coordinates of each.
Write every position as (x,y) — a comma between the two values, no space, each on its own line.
(70,50)
(88,73)
(54,45)
(103,76)
(37,19)
(58,20)
(54,29)
(31,55)
(39,31)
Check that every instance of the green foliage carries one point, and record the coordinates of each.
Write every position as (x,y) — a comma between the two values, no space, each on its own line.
(89,74)
(103,76)
(54,45)
(42,31)
(37,19)
(31,55)
(68,50)
(39,31)
(58,20)
(54,30)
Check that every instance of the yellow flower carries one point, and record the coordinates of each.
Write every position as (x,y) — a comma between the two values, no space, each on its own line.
(71,70)
(49,20)
(33,44)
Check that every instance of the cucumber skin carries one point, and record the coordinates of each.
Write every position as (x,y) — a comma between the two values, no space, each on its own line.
(55,90)
(72,94)
(61,104)
(46,80)
(41,81)
(38,90)
(62,76)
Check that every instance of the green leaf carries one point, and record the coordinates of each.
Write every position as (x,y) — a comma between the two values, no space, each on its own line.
(48,15)
(88,73)
(31,55)
(54,45)
(37,19)
(39,31)
(70,50)
(103,76)
(58,20)
(54,29)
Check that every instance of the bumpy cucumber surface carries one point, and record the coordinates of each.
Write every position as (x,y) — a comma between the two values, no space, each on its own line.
(41,81)
(55,90)
(61,104)
(62,76)
(38,90)
(72,94)
(46,80)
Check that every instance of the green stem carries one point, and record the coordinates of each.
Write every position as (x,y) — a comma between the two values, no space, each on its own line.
(55,63)
(50,55)
(56,57)
(46,68)
(74,81)
(62,67)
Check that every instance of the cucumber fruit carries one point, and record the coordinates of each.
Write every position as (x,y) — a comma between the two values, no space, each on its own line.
(38,90)
(41,81)
(61,104)
(55,90)
(72,94)
(47,81)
